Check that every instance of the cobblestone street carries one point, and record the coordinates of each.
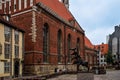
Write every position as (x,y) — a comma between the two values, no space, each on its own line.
(111,75)
(65,77)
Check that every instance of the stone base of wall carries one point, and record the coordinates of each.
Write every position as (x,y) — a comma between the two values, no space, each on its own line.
(47,69)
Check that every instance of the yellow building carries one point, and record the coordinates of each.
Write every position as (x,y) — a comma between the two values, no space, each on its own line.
(11,50)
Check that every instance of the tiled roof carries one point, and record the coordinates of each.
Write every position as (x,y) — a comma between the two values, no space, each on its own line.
(60,9)
(88,43)
(103,48)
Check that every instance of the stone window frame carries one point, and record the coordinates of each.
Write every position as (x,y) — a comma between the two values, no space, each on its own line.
(16,37)
(6,67)
(7,34)
(7,50)
(16,46)
(7,44)
(31,2)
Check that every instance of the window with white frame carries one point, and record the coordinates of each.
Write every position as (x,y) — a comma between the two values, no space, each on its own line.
(31,2)
(19,4)
(16,37)
(16,51)
(9,6)
(14,5)
(7,34)
(7,50)
(6,67)
(25,3)
(16,47)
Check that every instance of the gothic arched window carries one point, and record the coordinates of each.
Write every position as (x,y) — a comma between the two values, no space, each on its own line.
(68,47)
(59,38)
(45,42)
(78,45)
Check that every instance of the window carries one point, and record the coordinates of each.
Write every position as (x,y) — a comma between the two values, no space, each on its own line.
(78,45)
(7,67)
(16,51)
(14,5)
(59,37)
(16,48)
(69,46)
(19,4)
(25,3)
(7,50)
(45,43)
(7,34)
(101,60)
(16,37)
(31,2)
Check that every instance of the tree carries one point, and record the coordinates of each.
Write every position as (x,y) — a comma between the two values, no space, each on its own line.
(109,58)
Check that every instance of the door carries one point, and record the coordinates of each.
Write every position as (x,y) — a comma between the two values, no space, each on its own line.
(16,68)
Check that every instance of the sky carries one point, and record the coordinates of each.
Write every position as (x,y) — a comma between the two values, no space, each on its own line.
(96,17)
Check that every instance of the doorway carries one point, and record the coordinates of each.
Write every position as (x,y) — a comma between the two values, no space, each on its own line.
(16,68)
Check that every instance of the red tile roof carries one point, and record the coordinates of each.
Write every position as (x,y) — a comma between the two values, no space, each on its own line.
(60,9)
(88,43)
(103,48)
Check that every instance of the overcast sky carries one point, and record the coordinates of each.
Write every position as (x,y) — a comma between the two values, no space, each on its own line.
(96,17)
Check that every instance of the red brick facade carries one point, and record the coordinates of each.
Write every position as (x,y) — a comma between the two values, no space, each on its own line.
(90,53)
(31,17)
